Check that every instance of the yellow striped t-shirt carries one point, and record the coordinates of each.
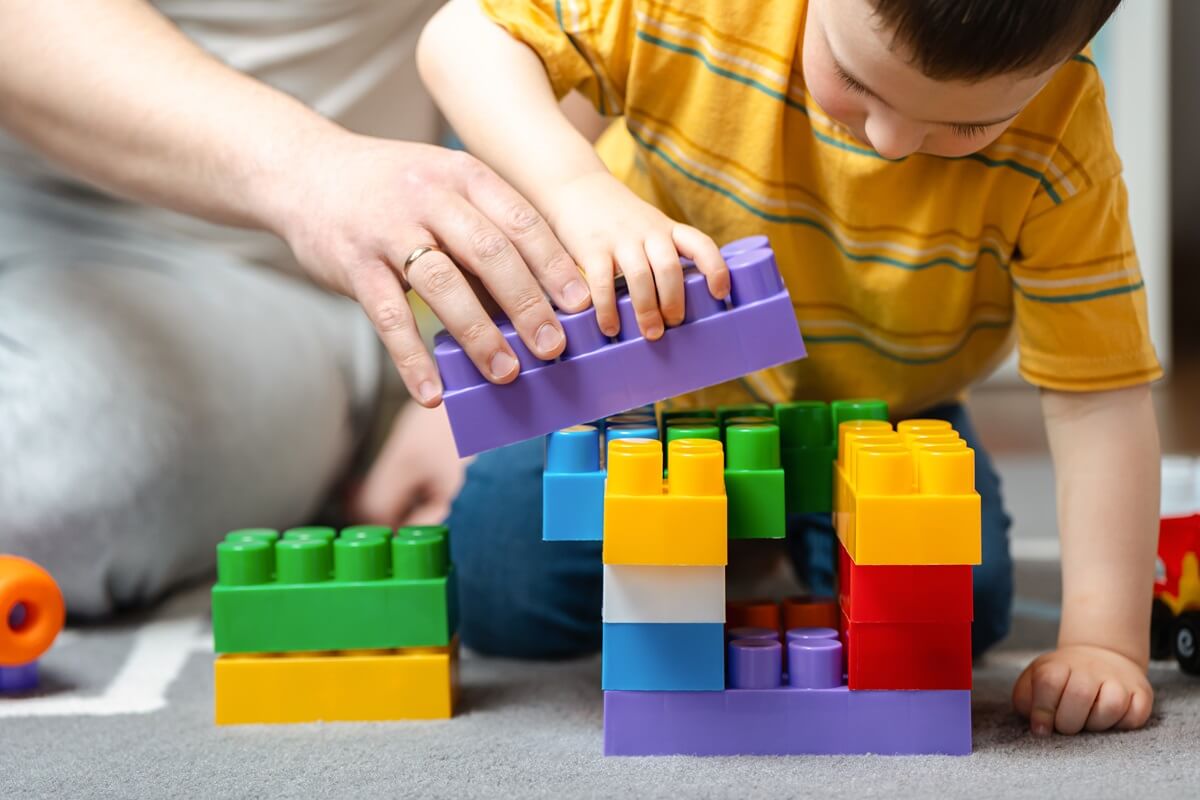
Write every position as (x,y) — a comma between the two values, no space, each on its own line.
(909,278)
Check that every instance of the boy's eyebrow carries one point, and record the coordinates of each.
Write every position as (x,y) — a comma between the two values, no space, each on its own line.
(984,124)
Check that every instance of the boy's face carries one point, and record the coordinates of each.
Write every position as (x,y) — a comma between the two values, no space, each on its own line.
(855,75)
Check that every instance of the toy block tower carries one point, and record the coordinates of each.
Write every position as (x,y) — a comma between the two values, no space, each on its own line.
(665,550)
(31,616)
(908,522)
(315,626)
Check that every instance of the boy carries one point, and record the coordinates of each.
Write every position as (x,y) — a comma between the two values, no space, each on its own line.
(933,174)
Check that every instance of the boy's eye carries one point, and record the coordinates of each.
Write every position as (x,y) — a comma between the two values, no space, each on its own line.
(850,83)
(969,131)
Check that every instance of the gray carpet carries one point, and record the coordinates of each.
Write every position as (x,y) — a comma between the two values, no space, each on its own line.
(126,711)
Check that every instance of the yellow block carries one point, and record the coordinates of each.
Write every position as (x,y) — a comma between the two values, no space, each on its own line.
(906,496)
(339,686)
(681,522)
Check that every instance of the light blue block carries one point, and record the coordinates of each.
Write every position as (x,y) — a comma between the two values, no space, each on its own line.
(573,507)
(664,656)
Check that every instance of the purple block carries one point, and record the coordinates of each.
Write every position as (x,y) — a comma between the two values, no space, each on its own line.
(814,663)
(787,721)
(597,377)
(755,663)
(22,678)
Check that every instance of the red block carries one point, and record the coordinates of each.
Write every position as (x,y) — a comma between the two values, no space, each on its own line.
(921,593)
(907,655)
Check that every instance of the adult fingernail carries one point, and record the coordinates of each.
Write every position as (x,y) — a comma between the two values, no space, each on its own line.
(502,364)
(427,391)
(575,293)
(547,338)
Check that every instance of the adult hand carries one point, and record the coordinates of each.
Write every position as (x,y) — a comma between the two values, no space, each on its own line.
(417,474)
(360,207)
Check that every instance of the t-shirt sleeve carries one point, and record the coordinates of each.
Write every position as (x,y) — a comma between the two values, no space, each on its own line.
(585,45)
(1079,298)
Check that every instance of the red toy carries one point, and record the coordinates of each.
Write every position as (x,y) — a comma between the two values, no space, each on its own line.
(1175,621)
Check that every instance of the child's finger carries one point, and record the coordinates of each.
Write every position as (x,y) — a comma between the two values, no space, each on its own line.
(1111,704)
(668,277)
(598,267)
(631,259)
(1076,702)
(1140,706)
(1022,696)
(704,251)
(1049,680)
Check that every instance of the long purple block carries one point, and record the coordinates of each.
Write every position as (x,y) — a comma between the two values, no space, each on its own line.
(22,678)
(597,377)
(787,721)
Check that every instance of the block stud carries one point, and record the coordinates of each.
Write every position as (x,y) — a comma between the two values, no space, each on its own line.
(319,533)
(628,319)
(858,409)
(756,613)
(725,413)
(747,244)
(752,447)
(689,428)
(360,558)
(419,552)
(917,426)
(804,611)
(269,535)
(525,356)
(454,364)
(582,332)
(246,561)
(644,430)
(854,440)
(814,663)
(804,424)
(884,469)
(947,469)
(754,277)
(698,302)
(300,560)
(692,413)
(696,468)
(574,449)
(755,663)
(805,634)
(749,632)
(635,467)
(366,532)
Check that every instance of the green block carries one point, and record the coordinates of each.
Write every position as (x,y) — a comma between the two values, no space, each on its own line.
(754,482)
(364,589)
(745,410)
(808,433)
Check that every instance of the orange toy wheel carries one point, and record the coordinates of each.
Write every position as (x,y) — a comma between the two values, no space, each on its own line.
(31,611)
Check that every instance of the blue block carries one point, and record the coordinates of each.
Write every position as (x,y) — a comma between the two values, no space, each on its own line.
(573,486)
(664,656)
(22,678)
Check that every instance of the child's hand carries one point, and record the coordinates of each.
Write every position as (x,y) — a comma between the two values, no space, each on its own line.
(1081,687)
(608,229)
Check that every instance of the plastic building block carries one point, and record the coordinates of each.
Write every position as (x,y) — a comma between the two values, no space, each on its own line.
(922,593)
(726,413)
(809,447)
(676,657)
(337,687)
(681,523)
(907,655)
(597,376)
(755,613)
(31,612)
(19,679)
(805,611)
(362,590)
(663,594)
(573,486)
(809,713)
(907,497)
(754,482)
(691,428)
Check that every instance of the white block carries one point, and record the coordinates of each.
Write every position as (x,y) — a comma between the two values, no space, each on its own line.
(1180,486)
(663,594)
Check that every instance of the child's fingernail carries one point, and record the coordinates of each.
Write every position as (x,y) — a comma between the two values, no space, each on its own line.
(502,364)
(547,338)
(575,293)
(654,331)
(1041,727)
(427,391)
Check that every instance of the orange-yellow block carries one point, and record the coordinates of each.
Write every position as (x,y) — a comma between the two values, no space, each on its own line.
(681,522)
(906,496)
(340,686)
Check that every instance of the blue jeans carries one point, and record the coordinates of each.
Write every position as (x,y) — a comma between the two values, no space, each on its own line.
(524,598)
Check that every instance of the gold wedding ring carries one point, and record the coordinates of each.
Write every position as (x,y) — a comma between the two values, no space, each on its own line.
(413,256)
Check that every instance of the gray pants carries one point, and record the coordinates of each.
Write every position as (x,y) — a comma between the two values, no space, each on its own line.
(156,392)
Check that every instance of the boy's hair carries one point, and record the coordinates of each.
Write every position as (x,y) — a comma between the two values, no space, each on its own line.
(971,40)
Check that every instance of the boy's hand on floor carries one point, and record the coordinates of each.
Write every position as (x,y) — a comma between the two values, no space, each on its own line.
(608,229)
(1082,687)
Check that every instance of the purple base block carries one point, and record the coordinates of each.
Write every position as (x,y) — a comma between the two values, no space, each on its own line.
(597,377)
(787,721)
(23,678)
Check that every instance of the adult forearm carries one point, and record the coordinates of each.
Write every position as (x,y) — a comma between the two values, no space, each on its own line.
(479,74)
(1107,460)
(113,92)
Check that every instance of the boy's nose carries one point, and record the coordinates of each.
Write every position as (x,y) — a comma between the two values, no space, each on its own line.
(893,138)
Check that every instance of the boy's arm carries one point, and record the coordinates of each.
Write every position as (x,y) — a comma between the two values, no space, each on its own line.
(1107,463)
(497,95)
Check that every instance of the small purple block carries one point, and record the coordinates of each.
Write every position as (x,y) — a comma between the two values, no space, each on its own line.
(597,377)
(814,663)
(755,663)
(22,678)
(787,721)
